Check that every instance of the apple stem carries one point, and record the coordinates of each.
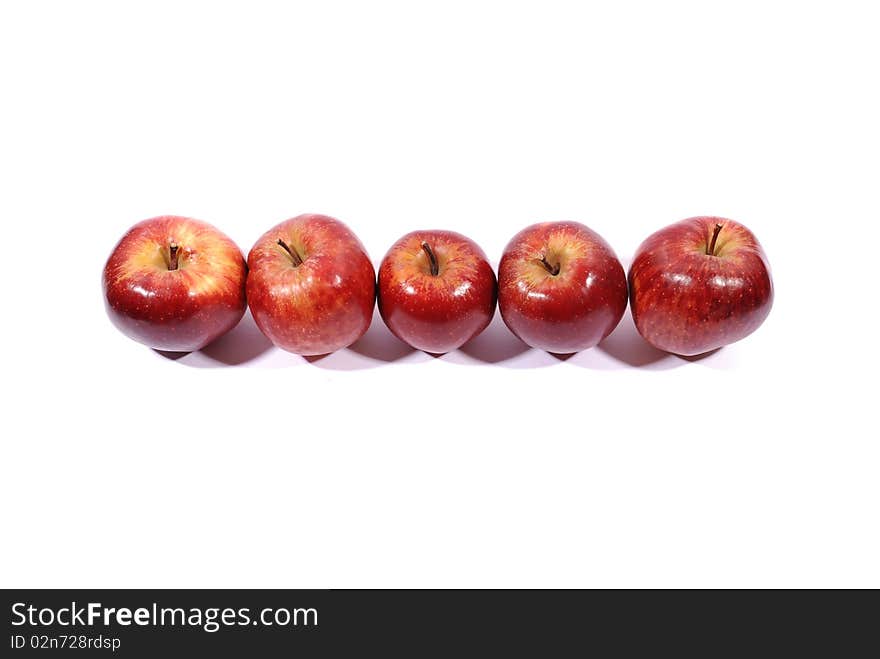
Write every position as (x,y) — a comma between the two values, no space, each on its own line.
(435,267)
(711,249)
(173,256)
(297,259)
(552,269)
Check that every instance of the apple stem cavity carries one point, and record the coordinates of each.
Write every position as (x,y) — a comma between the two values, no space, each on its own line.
(297,259)
(710,251)
(435,267)
(552,269)
(173,256)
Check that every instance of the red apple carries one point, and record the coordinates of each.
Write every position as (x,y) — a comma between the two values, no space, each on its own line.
(311,286)
(560,287)
(175,283)
(437,291)
(699,284)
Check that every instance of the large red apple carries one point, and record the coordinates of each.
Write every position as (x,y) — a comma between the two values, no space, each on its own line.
(311,286)
(699,284)
(175,283)
(437,291)
(560,287)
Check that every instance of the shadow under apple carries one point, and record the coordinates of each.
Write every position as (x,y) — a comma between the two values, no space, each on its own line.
(170,354)
(700,357)
(627,346)
(379,344)
(242,344)
(495,344)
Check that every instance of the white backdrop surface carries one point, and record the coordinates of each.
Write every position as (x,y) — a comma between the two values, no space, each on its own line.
(495,465)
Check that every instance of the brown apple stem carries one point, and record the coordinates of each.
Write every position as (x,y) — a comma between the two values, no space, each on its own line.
(711,249)
(297,259)
(435,268)
(552,269)
(173,256)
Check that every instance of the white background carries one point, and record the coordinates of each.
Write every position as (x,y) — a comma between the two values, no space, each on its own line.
(495,465)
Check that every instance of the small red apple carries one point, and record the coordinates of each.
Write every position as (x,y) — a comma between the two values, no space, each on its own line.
(560,287)
(437,291)
(311,286)
(175,283)
(699,284)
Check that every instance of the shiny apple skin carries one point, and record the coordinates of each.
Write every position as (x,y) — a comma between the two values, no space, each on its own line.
(687,302)
(572,310)
(436,313)
(177,310)
(322,305)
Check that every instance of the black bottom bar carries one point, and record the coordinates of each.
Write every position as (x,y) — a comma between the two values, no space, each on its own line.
(267,623)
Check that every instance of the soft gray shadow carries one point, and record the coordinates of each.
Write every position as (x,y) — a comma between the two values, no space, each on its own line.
(495,344)
(244,343)
(626,345)
(379,343)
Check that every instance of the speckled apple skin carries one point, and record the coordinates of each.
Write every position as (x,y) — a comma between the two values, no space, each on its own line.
(687,302)
(572,310)
(436,313)
(322,305)
(175,310)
